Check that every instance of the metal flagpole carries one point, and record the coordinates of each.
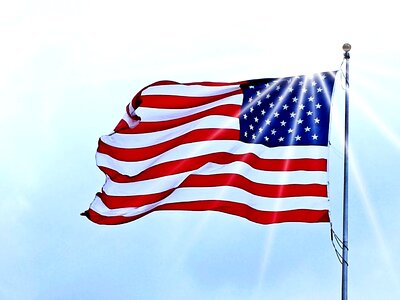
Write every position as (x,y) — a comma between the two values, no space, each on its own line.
(346,48)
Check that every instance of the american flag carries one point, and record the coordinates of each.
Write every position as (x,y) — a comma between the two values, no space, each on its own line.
(256,149)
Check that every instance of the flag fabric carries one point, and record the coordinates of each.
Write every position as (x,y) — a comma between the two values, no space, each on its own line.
(257,149)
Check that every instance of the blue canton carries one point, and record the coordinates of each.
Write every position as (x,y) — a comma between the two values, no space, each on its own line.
(287,111)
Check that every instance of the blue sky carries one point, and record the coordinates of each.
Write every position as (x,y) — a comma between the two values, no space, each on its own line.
(69,68)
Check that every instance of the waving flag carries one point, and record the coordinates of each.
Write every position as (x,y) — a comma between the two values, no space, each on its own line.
(256,149)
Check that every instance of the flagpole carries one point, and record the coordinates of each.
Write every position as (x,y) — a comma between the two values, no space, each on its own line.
(346,48)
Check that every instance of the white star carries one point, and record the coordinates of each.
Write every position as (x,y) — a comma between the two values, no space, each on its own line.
(268,121)
(290,130)
(323,76)
(245,116)
(280,98)
(292,114)
(251,127)
(307,129)
(315,137)
(281,139)
(250,99)
(301,83)
(314,83)
(304,90)
(283,123)
(260,129)
(278,87)
(253,136)
(251,87)
(271,105)
(294,99)
(318,106)
(290,89)
(268,96)
(245,133)
(258,93)
(301,106)
(251,109)
(276,114)
(263,112)
(266,138)
(285,107)
(316,120)
(299,121)
(309,113)
(311,99)
(259,102)
(267,85)
(319,90)
(297,137)
(273,131)
(256,119)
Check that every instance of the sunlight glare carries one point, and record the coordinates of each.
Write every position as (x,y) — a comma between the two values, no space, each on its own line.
(268,245)
(391,136)
(374,222)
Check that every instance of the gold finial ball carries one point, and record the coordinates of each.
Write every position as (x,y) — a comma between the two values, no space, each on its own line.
(346,47)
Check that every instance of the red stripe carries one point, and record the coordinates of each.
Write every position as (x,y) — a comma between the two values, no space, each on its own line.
(228,110)
(132,201)
(121,125)
(138,154)
(233,180)
(209,83)
(238,209)
(194,163)
(177,102)
(263,190)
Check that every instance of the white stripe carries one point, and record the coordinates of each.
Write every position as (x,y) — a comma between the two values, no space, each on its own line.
(128,117)
(187,151)
(131,122)
(140,140)
(189,90)
(231,194)
(163,183)
(163,114)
